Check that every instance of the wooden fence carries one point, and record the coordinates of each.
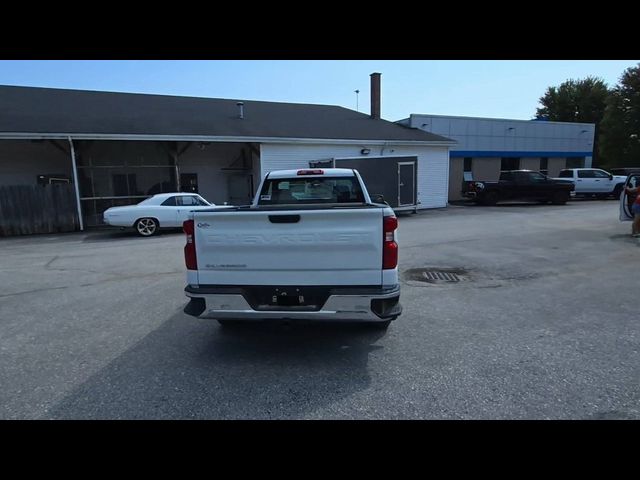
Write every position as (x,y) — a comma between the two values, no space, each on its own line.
(27,209)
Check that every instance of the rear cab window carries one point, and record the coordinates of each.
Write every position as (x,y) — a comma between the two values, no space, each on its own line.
(190,201)
(566,174)
(311,190)
(536,177)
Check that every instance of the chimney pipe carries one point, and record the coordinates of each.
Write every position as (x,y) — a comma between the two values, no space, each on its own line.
(241,107)
(375,96)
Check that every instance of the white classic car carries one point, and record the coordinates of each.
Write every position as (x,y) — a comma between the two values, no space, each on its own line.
(165,210)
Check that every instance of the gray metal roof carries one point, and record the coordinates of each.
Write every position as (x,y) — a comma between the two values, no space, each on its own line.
(52,110)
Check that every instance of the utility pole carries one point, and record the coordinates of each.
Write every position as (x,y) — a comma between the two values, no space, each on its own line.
(357,92)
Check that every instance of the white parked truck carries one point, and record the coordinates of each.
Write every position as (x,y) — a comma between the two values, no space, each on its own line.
(311,246)
(593,181)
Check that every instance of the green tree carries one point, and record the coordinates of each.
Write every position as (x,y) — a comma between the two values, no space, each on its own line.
(581,101)
(575,101)
(621,125)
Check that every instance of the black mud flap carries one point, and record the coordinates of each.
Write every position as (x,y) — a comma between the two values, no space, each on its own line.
(195,307)
(387,308)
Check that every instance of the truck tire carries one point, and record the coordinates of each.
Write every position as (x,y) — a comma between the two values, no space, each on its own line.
(490,198)
(147,226)
(560,198)
(616,191)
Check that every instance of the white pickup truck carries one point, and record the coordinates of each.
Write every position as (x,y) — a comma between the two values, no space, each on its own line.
(311,246)
(593,181)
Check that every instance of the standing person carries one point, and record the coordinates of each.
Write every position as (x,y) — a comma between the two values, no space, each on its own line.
(635,209)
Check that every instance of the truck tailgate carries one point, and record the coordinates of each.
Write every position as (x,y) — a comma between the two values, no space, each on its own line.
(290,247)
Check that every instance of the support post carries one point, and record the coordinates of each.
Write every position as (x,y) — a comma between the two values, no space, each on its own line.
(75,183)
(175,161)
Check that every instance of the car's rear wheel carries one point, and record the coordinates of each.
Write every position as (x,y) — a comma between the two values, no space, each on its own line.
(146,227)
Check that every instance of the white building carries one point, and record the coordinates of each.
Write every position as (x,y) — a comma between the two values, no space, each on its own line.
(485,146)
(124,147)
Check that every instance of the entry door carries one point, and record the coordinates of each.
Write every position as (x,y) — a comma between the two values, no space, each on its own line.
(406,183)
(240,189)
(602,181)
(537,187)
(586,182)
(627,200)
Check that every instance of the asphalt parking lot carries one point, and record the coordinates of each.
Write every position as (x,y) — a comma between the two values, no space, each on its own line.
(543,325)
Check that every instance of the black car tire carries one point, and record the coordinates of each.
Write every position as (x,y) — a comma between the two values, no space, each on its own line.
(490,198)
(616,191)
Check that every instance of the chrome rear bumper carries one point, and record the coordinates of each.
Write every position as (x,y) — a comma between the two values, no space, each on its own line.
(369,305)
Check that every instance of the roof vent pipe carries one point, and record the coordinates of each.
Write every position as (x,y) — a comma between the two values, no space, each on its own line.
(375,96)
(241,108)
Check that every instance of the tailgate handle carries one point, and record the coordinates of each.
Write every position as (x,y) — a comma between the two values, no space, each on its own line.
(284,218)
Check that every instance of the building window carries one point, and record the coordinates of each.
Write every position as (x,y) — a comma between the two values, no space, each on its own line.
(577,162)
(510,163)
(544,165)
(467,174)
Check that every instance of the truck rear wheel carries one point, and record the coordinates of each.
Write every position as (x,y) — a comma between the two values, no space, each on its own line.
(616,191)
(490,198)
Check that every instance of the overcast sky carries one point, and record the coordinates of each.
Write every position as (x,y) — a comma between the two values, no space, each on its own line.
(496,88)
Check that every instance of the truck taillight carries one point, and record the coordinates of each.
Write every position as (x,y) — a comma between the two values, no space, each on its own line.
(190,259)
(389,245)
(311,172)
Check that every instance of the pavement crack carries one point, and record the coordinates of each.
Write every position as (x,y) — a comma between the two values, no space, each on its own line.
(51,261)
(34,291)
(68,269)
(118,278)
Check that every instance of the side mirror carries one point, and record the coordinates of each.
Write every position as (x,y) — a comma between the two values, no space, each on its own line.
(377,198)
(610,177)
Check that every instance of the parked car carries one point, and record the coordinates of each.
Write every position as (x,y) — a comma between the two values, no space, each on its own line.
(165,210)
(593,181)
(626,199)
(311,246)
(524,185)
(625,171)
